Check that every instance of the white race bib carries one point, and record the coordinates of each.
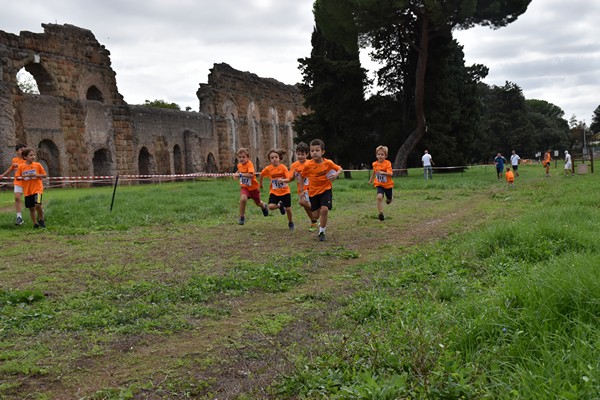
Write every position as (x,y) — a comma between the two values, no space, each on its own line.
(246,181)
(278,184)
(381,178)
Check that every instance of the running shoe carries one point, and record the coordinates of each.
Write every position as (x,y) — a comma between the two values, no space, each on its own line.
(381,217)
(19,221)
(313,227)
(241,221)
(322,237)
(281,208)
(265,210)
(291,226)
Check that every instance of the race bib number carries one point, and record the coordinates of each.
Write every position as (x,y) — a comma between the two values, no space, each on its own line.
(278,184)
(246,181)
(381,178)
(305,182)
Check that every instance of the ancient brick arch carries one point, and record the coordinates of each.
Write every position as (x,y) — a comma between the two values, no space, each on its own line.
(87,127)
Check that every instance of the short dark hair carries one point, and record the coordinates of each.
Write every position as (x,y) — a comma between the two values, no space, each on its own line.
(19,146)
(27,150)
(302,148)
(318,142)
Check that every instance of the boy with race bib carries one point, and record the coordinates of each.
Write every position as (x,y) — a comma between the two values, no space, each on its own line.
(382,179)
(279,193)
(248,184)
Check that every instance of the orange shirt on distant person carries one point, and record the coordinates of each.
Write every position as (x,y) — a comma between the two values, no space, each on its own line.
(297,168)
(547,158)
(18,161)
(385,181)
(248,168)
(510,177)
(276,174)
(31,185)
(318,175)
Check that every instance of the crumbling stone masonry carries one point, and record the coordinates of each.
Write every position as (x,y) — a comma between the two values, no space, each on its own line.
(81,126)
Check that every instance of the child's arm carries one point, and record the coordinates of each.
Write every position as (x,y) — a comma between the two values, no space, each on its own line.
(260,182)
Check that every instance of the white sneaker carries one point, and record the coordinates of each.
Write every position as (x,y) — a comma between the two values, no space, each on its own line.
(19,221)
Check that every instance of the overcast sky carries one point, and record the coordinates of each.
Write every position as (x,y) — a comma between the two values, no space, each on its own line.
(164,49)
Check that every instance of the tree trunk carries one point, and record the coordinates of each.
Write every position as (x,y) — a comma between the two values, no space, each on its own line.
(400,162)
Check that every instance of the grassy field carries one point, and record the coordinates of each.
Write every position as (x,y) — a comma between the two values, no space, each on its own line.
(468,289)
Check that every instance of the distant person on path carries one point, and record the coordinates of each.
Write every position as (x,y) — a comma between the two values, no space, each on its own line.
(499,161)
(510,178)
(31,174)
(547,161)
(568,164)
(427,165)
(279,191)
(248,184)
(320,173)
(382,179)
(514,162)
(18,185)
(296,168)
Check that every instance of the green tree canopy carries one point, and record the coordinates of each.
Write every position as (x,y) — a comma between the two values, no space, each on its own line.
(161,104)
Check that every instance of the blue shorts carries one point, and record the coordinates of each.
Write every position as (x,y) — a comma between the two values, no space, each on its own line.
(324,199)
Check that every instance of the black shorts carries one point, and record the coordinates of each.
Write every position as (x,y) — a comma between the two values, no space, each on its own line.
(324,199)
(515,167)
(31,201)
(389,193)
(286,199)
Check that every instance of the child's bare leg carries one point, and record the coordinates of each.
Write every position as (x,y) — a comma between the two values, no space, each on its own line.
(18,203)
(243,201)
(380,203)
(40,211)
(288,211)
(323,212)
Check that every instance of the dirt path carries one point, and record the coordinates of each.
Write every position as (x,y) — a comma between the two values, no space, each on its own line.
(227,354)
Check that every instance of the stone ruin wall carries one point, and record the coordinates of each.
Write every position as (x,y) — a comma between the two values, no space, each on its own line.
(81,126)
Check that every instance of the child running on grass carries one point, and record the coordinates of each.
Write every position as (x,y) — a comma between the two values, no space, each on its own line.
(320,173)
(279,193)
(248,184)
(31,173)
(510,178)
(382,179)
(296,168)
(18,185)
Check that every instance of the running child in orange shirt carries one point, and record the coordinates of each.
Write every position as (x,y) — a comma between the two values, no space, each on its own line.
(17,184)
(320,173)
(279,193)
(248,184)
(296,168)
(382,179)
(31,174)
(510,178)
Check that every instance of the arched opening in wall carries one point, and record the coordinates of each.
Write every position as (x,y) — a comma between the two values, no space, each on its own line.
(102,166)
(93,93)
(177,160)
(211,165)
(43,80)
(145,163)
(26,82)
(49,154)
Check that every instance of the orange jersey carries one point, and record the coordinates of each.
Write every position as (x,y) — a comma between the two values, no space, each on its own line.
(318,175)
(547,158)
(19,161)
(297,168)
(31,185)
(510,177)
(384,181)
(275,174)
(248,168)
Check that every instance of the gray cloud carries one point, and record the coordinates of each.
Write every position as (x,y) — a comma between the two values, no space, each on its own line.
(552,52)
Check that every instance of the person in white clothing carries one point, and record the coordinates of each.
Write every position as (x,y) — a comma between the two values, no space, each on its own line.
(568,164)
(427,165)
(514,162)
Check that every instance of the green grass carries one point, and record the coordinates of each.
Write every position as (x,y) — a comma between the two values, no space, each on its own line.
(468,290)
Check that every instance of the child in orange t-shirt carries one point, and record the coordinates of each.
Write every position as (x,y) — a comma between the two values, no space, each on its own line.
(248,184)
(510,178)
(296,168)
(320,173)
(17,184)
(279,193)
(382,179)
(31,173)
